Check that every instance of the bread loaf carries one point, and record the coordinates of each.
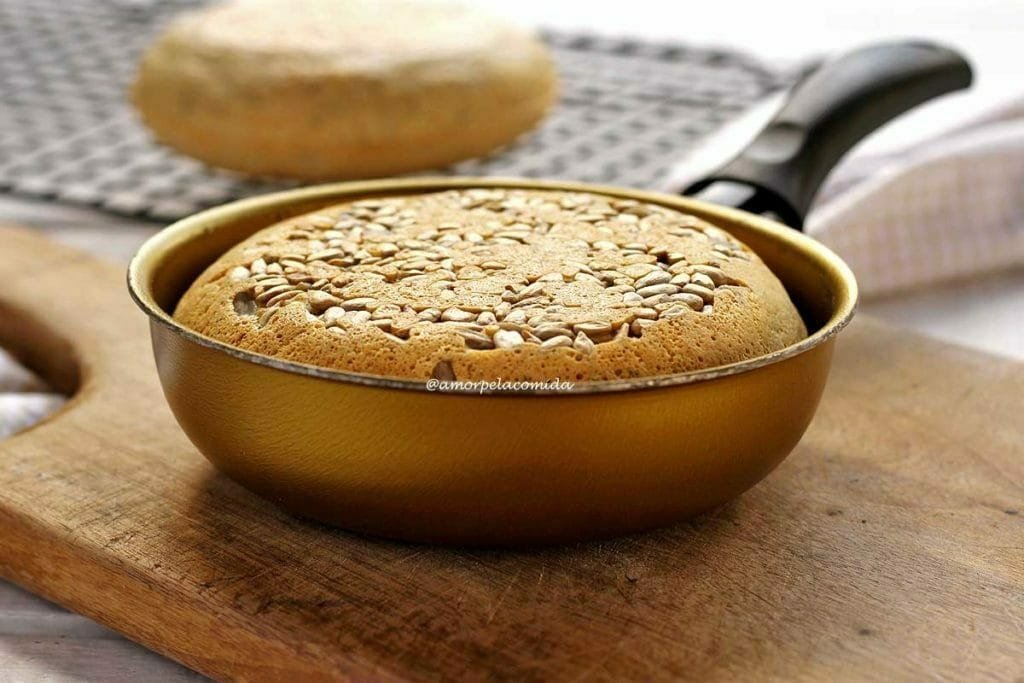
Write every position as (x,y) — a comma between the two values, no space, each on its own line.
(334,89)
(482,284)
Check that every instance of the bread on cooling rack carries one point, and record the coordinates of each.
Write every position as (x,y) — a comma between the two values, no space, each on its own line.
(334,89)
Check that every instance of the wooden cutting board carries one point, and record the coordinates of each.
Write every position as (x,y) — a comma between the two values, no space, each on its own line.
(890,545)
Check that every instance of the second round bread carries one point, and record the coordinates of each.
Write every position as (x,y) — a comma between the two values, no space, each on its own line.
(337,89)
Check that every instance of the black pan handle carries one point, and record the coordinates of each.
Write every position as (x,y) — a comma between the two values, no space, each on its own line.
(825,115)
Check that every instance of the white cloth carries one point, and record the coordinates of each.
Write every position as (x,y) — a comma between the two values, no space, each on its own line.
(944,209)
(24,398)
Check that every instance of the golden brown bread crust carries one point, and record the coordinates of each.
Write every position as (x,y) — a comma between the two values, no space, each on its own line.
(574,286)
(321,89)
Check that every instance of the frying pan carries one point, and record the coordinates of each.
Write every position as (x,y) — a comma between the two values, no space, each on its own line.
(389,457)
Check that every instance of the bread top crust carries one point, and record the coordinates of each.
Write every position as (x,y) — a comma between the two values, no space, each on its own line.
(483,284)
(400,41)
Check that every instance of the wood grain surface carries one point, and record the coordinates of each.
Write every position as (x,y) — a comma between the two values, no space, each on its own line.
(889,546)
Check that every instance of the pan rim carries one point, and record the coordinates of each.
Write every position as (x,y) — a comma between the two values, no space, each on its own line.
(177,233)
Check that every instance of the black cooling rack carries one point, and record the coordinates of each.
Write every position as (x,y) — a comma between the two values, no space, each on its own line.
(67,133)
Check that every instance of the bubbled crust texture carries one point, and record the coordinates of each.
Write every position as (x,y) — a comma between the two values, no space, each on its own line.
(322,89)
(488,284)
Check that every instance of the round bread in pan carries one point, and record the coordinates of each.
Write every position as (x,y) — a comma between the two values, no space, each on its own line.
(482,284)
(321,89)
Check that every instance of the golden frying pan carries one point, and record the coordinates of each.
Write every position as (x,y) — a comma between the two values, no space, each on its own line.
(389,457)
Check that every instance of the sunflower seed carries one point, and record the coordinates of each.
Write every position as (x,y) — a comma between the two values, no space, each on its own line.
(679,267)
(548,330)
(517,317)
(417,264)
(507,339)
(586,277)
(358,316)
(675,311)
(321,221)
(556,342)
(593,329)
(358,302)
(632,298)
(384,249)
(386,311)
(457,315)
(325,255)
(582,343)
(680,279)
(714,274)
(239,273)
(703,292)
(637,270)
(476,340)
(281,298)
(654,290)
(333,314)
(702,280)
(692,300)
(270,293)
(530,291)
(655,277)
(513,235)
(321,301)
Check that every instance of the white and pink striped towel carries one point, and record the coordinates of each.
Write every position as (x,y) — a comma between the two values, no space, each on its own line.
(944,209)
